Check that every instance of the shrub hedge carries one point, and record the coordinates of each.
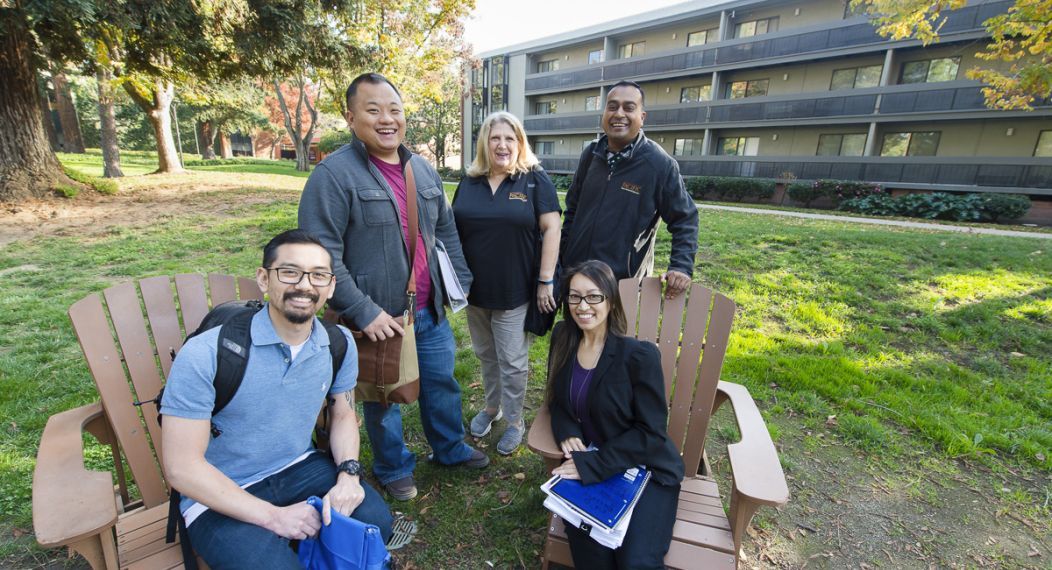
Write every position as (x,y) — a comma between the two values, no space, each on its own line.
(731,188)
(942,206)
(333,140)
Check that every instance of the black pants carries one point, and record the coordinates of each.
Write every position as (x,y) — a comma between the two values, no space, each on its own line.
(646,541)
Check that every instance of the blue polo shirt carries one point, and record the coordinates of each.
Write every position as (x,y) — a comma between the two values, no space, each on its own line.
(269,421)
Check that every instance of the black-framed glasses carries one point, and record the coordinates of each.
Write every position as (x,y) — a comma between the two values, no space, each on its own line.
(591,299)
(290,276)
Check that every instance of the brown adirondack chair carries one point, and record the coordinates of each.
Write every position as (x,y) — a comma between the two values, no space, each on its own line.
(703,536)
(83,509)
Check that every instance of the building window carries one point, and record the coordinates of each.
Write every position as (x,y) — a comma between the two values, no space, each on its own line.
(694,94)
(1044,144)
(910,144)
(591,103)
(856,77)
(751,88)
(546,107)
(756,27)
(701,37)
(930,70)
(635,49)
(496,97)
(841,145)
(688,147)
(547,65)
(545,147)
(595,56)
(738,146)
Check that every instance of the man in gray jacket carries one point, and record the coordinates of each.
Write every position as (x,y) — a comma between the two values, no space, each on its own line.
(355,202)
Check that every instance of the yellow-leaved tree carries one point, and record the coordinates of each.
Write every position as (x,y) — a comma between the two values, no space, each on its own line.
(1021,38)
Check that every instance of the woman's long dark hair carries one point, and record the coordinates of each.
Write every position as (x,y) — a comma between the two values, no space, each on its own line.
(566,337)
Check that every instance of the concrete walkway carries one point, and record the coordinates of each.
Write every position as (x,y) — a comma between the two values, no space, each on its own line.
(878,221)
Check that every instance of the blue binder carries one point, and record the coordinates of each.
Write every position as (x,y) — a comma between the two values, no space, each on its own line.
(605,502)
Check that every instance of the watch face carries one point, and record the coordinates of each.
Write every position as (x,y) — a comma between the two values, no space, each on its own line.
(351,467)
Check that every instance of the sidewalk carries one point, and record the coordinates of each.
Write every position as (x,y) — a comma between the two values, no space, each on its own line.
(935,227)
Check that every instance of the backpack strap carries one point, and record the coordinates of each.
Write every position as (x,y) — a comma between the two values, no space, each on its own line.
(235,340)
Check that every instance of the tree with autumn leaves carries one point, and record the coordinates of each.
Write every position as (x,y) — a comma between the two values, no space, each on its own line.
(1020,50)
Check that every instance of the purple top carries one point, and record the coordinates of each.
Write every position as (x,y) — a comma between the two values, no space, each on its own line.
(396,180)
(580,382)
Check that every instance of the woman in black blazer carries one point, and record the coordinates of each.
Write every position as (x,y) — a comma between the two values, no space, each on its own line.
(606,390)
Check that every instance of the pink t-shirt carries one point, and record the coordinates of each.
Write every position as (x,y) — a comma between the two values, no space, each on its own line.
(396,180)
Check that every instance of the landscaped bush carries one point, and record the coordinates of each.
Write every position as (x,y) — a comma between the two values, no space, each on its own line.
(941,206)
(804,193)
(333,140)
(561,181)
(840,190)
(701,186)
(732,188)
(875,205)
(1000,207)
(450,174)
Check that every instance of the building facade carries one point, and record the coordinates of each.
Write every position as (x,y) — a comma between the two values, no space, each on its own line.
(801,89)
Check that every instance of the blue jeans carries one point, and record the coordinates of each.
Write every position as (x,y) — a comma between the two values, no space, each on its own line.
(224,542)
(440,411)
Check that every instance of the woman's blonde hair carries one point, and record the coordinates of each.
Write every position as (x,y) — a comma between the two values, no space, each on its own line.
(526,159)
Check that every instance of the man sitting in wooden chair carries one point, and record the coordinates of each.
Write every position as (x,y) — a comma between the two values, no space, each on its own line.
(245,473)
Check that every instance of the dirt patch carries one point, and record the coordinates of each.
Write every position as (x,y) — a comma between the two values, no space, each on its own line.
(849,510)
(142,201)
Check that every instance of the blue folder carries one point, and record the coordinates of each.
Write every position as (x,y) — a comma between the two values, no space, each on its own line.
(605,502)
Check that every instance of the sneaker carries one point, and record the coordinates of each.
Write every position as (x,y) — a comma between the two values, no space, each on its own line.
(482,422)
(511,439)
(402,489)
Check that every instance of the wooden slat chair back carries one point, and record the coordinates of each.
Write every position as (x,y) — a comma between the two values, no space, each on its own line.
(128,335)
(692,332)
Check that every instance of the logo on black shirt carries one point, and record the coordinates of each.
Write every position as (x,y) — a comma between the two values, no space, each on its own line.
(517,196)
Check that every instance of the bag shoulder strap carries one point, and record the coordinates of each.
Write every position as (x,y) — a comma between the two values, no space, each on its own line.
(413,221)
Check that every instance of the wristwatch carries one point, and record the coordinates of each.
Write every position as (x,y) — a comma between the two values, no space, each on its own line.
(351,467)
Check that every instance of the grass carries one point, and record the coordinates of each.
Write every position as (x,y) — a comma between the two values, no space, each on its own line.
(913,340)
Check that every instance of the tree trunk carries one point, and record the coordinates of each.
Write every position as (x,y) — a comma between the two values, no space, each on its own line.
(28,167)
(45,114)
(207,136)
(226,150)
(111,153)
(157,104)
(72,139)
(302,155)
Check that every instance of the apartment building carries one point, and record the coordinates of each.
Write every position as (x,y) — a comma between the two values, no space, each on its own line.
(802,89)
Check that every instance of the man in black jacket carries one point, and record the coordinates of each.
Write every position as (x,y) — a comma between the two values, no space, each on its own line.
(624,183)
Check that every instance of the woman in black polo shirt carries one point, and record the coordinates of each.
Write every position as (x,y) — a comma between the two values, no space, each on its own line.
(508,217)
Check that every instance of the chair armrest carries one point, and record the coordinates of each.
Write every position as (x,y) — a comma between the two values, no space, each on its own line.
(540,439)
(70,503)
(758,475)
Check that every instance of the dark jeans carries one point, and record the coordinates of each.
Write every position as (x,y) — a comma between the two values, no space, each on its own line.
(646,541)
(224,542)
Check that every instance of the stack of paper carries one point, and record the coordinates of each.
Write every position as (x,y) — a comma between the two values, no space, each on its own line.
(454,290)
(603,509)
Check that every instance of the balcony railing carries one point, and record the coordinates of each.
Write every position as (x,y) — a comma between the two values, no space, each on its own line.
(934,171)
(834,35)
(955,96)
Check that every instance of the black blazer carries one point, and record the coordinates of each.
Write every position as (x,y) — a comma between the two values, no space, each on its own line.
(626,402)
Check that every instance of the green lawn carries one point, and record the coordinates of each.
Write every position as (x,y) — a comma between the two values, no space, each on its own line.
(132,163)
(913,340)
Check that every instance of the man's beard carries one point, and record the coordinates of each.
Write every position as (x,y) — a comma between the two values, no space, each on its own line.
(294,317)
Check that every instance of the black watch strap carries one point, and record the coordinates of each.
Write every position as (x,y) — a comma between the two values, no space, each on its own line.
(350,467)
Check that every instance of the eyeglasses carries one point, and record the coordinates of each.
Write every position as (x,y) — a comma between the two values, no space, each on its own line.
(290,276)
(592,299)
